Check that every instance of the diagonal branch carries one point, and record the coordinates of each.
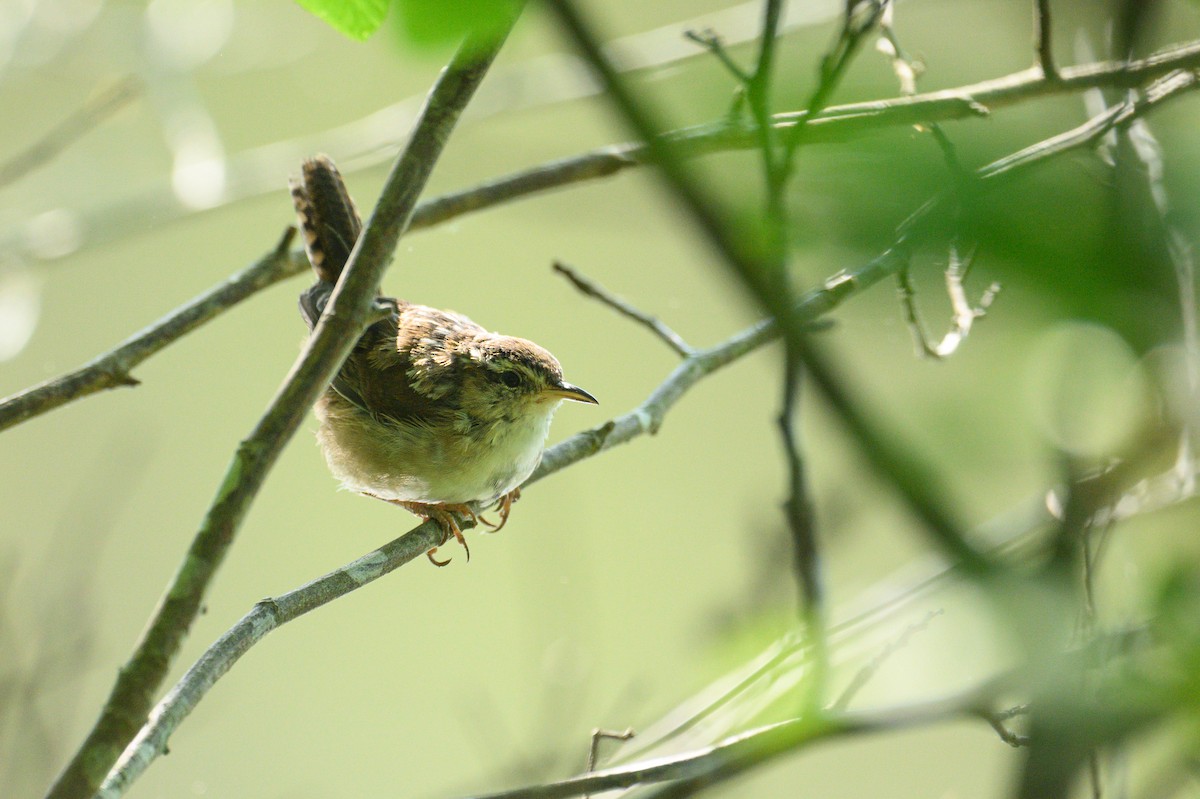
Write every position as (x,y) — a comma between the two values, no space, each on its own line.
(834,124)
(706,767)
(113,369)
(348,311)
(754,747)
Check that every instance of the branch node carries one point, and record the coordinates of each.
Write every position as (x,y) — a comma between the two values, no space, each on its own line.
(1015,740)
(710,41)
(599,735)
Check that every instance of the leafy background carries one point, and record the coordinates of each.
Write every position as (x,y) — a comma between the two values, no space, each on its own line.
(622,585)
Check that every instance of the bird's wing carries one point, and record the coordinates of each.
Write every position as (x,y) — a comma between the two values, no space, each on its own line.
(409,374)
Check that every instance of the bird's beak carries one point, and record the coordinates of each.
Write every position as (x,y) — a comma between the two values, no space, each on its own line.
(568,391)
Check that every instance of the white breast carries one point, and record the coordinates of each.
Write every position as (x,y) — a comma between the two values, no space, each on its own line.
(409,463)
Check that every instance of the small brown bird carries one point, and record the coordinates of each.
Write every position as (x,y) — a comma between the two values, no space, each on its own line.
(430,411)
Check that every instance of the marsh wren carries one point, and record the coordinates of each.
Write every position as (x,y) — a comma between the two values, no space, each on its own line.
(430,411)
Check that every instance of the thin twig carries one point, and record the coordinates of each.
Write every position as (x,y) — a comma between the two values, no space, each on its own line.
(798,508)
(114,368)
(860,18)
(905,68)
(710,41)
(70,130)
(1166,88)
(737,754)
(331,341)
(599,735)
(912,318)
(693,197)
(775,172)
(996,719)
(963,313)
(801,518)
(1042,40)
(594,290)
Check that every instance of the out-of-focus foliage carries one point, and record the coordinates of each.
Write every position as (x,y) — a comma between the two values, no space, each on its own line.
(431,24)
(435,24)
(357,19)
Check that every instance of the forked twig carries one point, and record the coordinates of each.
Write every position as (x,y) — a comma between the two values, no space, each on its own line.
(597,736)
(963,313)
(996,719)
(114,368)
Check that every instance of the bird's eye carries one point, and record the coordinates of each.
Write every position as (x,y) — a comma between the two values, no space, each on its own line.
(511,379)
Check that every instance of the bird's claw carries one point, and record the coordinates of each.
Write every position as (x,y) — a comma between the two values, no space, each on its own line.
(444,515)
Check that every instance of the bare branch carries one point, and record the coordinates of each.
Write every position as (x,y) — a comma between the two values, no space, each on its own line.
(264,617)
(710,41)
(963,313)
(113,368)
(836,123)
(754,747)
(801,518)
(596,291)
(599,735)
(1089,133)
(335,334)
(600,163)
(1042,40)
(996,719)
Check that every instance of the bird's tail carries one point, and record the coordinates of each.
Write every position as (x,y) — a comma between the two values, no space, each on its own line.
(331,226)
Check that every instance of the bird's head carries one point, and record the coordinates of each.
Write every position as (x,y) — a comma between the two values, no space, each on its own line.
(508,376)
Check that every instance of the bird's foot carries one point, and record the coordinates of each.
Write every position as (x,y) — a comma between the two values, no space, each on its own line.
(443,514)
(504,506)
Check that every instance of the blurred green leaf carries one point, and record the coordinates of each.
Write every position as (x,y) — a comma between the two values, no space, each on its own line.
(434,23)
(357,19)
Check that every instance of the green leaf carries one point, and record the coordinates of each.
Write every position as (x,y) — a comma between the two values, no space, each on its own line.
(357,19)
(433,23)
